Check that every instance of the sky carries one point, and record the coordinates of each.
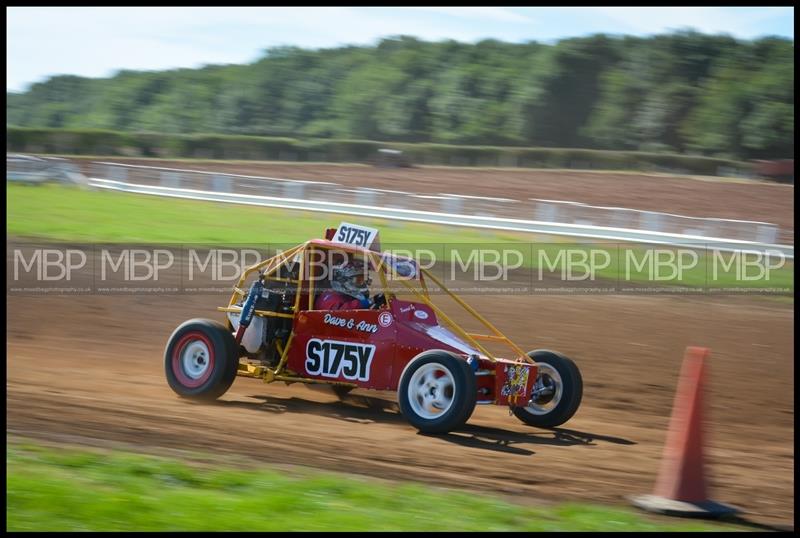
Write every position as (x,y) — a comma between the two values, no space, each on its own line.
(99,41)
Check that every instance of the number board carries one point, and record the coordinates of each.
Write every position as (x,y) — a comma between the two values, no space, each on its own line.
(353,234)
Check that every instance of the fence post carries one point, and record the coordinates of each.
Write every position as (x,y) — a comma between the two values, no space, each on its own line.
(546,212)
(170,179)
(117,173)
(221,183)
(452,205)
(651,221)
(293,190)
(365,197)
(767,233)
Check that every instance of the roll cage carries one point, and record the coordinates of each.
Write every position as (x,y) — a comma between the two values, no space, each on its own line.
(305,288)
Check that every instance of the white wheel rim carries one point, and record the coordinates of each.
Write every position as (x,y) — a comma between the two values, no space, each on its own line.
(195,359)
(431,391)
(547,377)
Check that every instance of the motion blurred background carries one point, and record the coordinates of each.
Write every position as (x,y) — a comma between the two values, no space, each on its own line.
(600,78)
(686,113)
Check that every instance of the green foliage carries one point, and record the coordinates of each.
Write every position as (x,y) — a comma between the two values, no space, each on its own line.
(683,92)
(244,147)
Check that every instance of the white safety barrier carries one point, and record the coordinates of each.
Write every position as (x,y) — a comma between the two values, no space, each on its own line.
(551,217)
(540,210)
(454,219)
(35,170)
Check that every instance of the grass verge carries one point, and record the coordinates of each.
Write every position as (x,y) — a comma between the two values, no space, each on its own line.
(78,489)
(58,213)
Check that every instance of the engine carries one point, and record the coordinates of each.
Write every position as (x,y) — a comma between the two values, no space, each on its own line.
(259,341)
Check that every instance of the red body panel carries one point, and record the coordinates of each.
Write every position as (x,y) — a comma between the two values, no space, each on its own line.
(372,347)
(338,338)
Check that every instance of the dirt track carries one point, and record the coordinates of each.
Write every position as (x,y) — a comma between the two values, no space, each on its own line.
(89,370)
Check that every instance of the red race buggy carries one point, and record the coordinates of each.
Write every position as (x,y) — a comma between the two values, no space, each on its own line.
(439,370)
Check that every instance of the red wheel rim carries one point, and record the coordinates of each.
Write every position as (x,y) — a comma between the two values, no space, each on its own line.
(180,359)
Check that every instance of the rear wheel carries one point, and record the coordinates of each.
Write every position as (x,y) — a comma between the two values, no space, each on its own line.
(201,359)
(437,392)
(557,392)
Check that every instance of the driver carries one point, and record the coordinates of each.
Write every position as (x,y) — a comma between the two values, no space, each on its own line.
(349,289)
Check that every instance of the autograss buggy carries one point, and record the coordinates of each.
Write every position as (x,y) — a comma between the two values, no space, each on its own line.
(439,370)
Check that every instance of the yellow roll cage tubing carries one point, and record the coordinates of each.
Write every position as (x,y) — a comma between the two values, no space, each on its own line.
(270,266)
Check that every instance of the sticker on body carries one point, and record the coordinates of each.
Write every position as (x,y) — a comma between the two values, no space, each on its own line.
(333,358)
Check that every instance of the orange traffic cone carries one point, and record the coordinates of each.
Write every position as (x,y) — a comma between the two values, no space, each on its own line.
(680,489)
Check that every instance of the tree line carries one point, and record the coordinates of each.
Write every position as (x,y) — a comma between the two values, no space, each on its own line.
(683,92)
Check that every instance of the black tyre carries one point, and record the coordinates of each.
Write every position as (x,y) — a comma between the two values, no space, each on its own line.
(560,391)
(437,392)
(201,359)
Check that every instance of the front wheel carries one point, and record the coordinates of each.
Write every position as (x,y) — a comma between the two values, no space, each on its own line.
(557,392)
(437,392)
(201,359)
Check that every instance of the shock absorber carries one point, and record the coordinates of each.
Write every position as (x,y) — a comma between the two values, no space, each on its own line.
(249,307)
